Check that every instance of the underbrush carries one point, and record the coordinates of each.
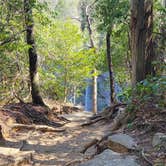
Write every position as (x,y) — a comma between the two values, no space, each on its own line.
(150,91)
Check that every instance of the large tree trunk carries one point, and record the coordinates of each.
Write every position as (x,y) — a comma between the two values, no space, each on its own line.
(149,50)
(29,23)
(109,59)
(162,40)
(141,39)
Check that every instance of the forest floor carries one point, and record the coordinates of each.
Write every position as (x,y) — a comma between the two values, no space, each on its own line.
(51,148)
(60,147)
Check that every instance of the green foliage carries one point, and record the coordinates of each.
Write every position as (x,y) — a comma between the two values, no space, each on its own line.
(64,64)
(121,55)
(13,68)
(111,16)
(65,61)
(110,12)
(150,90)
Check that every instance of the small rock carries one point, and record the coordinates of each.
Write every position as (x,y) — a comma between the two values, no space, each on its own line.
(124,140)
(110,158)
(159,139)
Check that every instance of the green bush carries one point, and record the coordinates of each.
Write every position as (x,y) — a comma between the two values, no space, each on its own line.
(151,90)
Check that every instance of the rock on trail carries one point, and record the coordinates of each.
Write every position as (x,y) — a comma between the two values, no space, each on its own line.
(110,158)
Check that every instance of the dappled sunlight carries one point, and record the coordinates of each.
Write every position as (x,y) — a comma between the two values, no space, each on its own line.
(82,82)
(55,147)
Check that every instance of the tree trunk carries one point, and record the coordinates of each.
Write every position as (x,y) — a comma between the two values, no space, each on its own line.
(74,95)
(149,50)
(141,39)
(95,93)
(109,59)
(94,77)
(65,86)
(29,23)
(162,40)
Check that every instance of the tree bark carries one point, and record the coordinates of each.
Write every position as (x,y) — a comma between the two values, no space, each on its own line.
(149,50)
(29,23)
(94,71)
(141,39)
(109,59)
(162,40)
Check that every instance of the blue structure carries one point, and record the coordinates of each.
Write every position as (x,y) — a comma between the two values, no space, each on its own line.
(103,93)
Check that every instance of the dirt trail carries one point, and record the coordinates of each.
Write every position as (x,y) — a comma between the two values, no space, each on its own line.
(53,148)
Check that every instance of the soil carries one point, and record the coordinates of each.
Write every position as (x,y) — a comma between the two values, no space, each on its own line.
(31,146)
(52,148)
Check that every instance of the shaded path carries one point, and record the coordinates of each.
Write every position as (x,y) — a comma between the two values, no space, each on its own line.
(56,149)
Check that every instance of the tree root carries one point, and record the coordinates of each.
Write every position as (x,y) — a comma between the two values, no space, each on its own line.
(42,128)
(90,144)
(28,114)
(93,121)
(117,114)
(97,142)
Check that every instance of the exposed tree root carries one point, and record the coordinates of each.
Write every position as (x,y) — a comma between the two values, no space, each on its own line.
(98,143)
(42,128)
(116,114)
(90,144)
(93,121)
(27,114)
(120,119)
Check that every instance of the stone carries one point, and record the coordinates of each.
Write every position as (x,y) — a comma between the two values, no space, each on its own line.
(159,139)
(110,158)
(124,140)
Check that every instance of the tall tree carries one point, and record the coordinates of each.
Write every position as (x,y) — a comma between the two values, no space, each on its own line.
(107,14)
(85,9)
(33,63)
(110,68)
(141,39)
(94,71)
(162,30)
